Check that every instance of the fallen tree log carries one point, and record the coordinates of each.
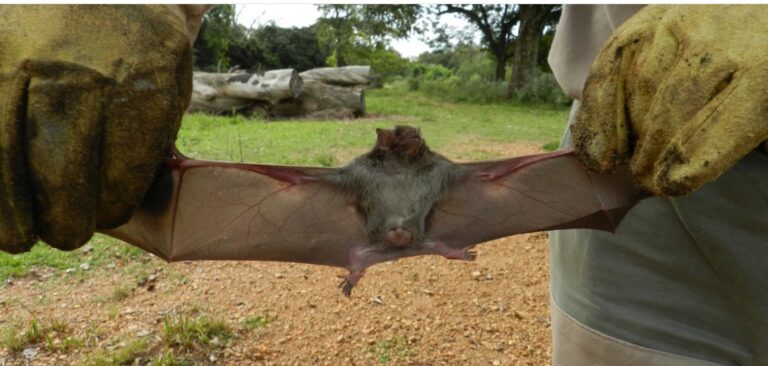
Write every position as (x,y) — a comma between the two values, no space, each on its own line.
(318,93)
(322,101)
(227,93)
(340,76)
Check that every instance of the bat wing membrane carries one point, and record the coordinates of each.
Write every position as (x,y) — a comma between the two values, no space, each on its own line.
(219,211)
(526,194)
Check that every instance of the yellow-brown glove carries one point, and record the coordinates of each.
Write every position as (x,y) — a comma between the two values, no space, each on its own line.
(91,97)
(681,92)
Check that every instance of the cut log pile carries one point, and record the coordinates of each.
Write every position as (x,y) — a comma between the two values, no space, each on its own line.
(323,93)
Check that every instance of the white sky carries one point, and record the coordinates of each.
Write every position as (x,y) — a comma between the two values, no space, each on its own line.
(302,15)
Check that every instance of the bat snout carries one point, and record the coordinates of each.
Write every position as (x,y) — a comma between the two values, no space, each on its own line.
(398,237)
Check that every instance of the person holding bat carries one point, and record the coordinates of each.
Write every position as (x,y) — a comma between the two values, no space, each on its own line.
(677,92)
(680,93)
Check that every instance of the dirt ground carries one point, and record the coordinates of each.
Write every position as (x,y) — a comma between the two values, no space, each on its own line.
(416,311)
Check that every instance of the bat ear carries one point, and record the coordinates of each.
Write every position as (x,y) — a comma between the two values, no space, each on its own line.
(384,138)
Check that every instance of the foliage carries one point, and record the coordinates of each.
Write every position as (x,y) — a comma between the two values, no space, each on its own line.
(270,47)
(496,23)
(212,46)
(543,89)
(507,30)
(352,30)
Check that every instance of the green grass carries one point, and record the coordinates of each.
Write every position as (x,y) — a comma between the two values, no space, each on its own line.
(257,321)
(52,336)
(124,355)
(445,126)
(105,250)
(201,332)
(391,349)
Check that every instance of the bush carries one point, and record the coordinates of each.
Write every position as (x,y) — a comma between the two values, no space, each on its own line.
(543,90)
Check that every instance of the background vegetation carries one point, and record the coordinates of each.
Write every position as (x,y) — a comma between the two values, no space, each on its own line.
(500,57)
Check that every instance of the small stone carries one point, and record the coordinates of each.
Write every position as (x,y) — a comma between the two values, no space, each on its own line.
(69,270)
(279,275)
(476,275)
(377,300)
(85,266)
(29,352)
(86,249)
(496,362)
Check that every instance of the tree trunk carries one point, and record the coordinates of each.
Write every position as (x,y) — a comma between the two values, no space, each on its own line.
(501,65)
(341,76)
(223,93)
(532,21)
(323,101)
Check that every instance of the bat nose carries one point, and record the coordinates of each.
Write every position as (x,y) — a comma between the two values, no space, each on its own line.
(398,237)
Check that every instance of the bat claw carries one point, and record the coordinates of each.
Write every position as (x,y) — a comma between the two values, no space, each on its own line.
(346,287)
(349,281)
(470,255)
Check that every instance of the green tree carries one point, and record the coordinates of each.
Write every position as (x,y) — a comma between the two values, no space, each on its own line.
(212,45)
(272,47)
(346,29)
(497,23)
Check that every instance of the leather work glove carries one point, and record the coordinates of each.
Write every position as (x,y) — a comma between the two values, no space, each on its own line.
(91,98)
(679,91)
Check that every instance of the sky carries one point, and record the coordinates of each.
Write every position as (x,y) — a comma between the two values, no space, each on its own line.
(302,15)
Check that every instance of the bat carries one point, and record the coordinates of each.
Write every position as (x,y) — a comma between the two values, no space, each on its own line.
(400,199)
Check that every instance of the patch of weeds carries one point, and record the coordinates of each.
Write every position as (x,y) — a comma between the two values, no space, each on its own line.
(80,263)
(257,321)
(121,293)
(125,355)
(168,358)
(112,312)
(51,336)
(201,332)
(392,349)
(551,146)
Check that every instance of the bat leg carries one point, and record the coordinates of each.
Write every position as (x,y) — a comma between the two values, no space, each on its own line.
(350,281)
(464,254)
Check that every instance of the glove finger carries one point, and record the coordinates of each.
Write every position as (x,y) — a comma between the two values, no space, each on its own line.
(602,127)
(17,225)
(730,126)
(693,86)
(64,141)
(142,122)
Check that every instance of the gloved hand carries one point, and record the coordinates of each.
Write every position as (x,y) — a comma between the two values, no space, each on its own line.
(91,98)
(681,92)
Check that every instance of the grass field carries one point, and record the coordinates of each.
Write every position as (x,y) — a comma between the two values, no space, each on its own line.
(460,131)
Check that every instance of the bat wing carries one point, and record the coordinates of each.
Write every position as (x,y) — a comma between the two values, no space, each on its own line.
(203,210)
(530,193)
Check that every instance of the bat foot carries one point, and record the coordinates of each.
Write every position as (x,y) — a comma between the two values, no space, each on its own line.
(349,281)
(468,254)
